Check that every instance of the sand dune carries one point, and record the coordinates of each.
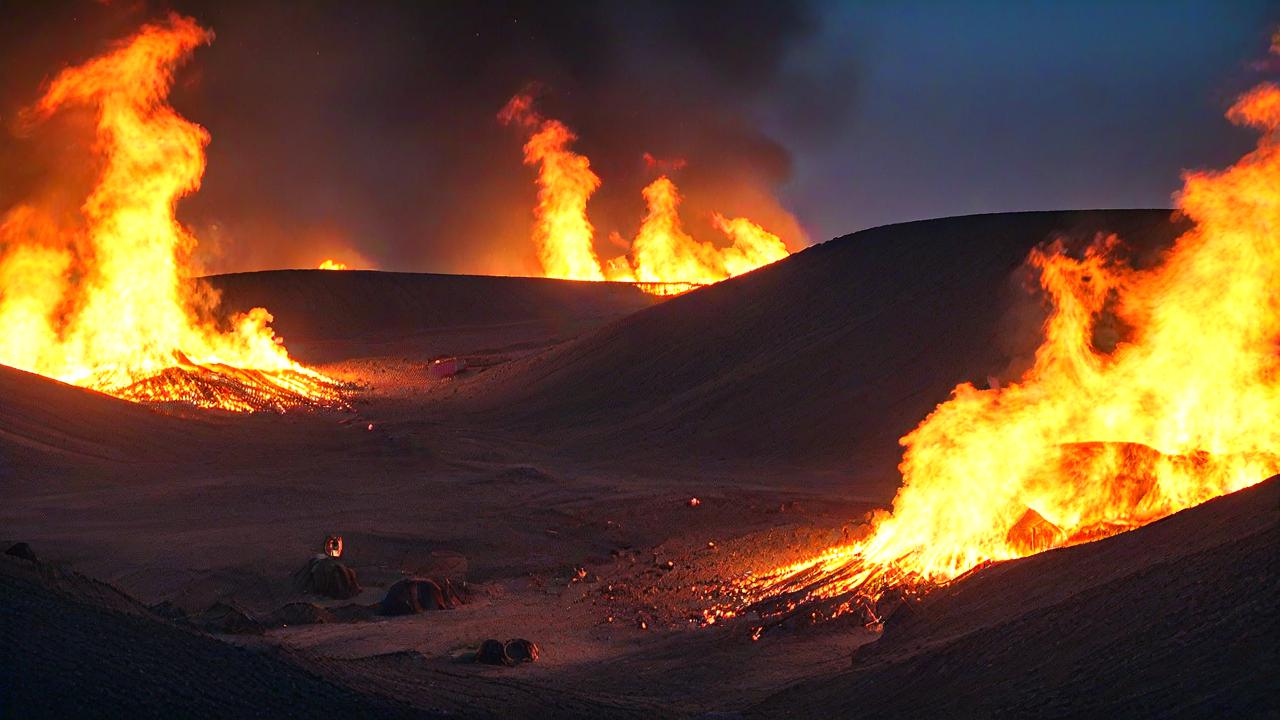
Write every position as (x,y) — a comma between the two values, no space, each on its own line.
(52,433)
(326,316)
(821,361)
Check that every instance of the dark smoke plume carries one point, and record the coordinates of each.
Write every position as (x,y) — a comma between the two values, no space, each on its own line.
(368,130)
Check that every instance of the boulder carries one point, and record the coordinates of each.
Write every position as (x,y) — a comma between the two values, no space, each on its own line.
(521,650)
(492,652)
(329,577)
(413,595)
(512,652)
(21,550)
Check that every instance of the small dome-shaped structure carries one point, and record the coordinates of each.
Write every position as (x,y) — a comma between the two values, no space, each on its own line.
(413,595)
(329,577)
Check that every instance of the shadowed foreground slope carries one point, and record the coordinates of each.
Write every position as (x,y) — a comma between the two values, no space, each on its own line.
(821,360)
(1176,619)
(71,647)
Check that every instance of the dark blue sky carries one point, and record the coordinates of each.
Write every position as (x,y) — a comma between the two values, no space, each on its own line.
(993,106)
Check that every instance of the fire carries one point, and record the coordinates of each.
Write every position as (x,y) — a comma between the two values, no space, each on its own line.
(562,233)
(328,264)
(110,305)
(664,258)
(1090,442)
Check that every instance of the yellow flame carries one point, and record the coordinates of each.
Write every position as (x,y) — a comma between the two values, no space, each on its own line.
(664,259)
(1090,442)
(110,306)
(332,265)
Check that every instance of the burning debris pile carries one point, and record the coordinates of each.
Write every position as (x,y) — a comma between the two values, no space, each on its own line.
(1089,442)
(664,259)
(108,303)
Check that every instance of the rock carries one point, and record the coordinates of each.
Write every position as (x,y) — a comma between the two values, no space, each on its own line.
(301,613)
(520,650)
(329,577)
(492,652)
(517,650)
(413,595)
(21,550)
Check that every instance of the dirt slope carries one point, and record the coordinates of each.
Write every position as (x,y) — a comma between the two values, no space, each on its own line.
(71,647)
(46,415)
(1177,619)
(326,315)
(822,360)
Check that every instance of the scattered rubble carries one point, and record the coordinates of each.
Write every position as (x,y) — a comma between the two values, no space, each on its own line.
(512,652)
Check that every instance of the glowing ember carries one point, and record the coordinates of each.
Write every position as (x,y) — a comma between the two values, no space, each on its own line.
(332,265)
(664,259)
(109,305)
(1091,443)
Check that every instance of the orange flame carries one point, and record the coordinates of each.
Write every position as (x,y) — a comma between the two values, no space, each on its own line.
(1089,443)
(565,182)
(664,258)
(328,264)
(110,306)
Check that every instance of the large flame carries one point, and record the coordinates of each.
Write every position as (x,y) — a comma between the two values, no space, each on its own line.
(664,258)
(110,305)
(1089,442)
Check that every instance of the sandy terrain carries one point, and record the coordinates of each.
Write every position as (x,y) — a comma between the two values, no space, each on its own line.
(550,481)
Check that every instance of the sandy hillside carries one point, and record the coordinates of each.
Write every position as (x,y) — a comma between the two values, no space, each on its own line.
(818,363)
(551,481)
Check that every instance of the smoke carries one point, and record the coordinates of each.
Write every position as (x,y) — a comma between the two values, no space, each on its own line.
(370,129)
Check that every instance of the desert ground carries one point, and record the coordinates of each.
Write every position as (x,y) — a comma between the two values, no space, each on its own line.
(551,482)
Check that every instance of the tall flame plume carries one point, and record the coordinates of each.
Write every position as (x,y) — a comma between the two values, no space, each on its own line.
(664,258)
(109,303)
(1088,443)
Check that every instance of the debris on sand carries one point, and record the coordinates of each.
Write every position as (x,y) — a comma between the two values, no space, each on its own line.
(327,576)
(512,652)
(301,613)
(413,595)
(21,550)
(445,367)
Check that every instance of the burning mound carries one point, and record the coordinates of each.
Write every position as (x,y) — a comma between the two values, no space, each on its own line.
(664,259)
(1093,441)
(106,303)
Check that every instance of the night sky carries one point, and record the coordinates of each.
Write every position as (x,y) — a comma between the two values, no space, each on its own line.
(367,131)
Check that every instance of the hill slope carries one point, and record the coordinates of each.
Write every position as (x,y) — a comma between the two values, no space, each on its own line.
(326,315)
(71,647)
(821,360)
(1176,619)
